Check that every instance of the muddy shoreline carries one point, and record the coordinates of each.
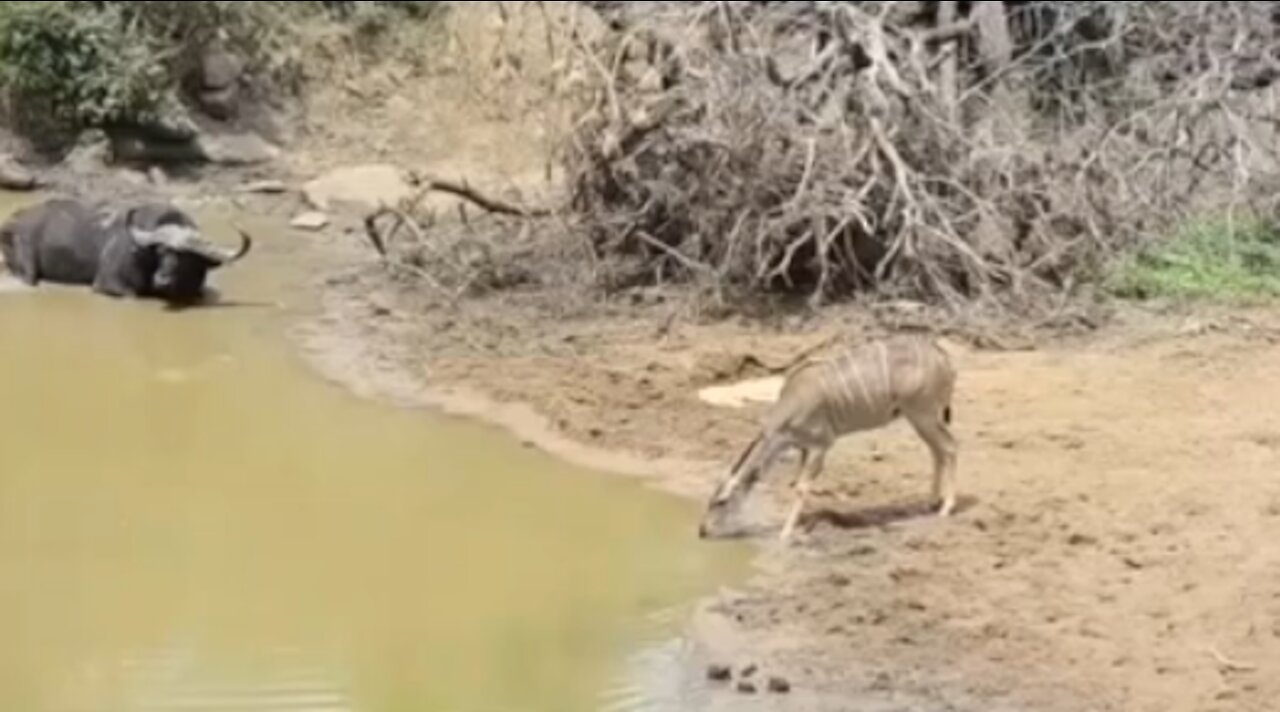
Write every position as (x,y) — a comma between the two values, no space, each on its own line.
(342,345)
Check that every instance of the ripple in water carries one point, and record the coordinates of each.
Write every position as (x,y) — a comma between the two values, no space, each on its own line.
(653,678)
(177,681)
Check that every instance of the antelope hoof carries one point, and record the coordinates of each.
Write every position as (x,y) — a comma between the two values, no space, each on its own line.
(946,507)
(787,533)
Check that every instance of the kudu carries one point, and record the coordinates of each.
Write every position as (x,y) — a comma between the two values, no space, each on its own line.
(856,389)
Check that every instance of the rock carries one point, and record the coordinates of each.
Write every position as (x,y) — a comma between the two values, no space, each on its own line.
(651,81)
(719,673)
(219,92)
(779,686)
(365,187)
(173,127)
(221,104)
(157,176)
(1081,540)
(15,177)
(314,220)
(219,69)
(90,153)
(237,149)
(749,670)
(135,147)
(264,186)
(132,177)
(747,688)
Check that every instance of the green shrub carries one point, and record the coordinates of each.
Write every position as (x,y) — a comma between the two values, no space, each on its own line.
(413,8)
(1215,259)
(82,68)
(70,64)
(261,33)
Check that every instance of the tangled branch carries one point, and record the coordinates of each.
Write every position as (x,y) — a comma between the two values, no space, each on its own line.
(824,149)
(946,153)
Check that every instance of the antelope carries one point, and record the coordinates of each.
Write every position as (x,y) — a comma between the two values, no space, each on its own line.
(857,389)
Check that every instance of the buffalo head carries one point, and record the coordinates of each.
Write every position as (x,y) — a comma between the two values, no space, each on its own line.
(184,257)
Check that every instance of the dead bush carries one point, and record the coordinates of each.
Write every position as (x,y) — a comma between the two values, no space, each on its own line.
(947,153)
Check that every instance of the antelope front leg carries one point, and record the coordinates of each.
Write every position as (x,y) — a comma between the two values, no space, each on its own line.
(800,467)
(812,465)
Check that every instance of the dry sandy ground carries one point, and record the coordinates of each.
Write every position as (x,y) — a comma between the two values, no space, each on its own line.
(1114,548)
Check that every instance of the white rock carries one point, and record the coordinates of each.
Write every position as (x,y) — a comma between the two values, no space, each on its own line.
(364,187)
(314,220)
(738,395)
(238,149)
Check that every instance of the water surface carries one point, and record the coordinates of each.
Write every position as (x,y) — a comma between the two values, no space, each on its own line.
(191,520)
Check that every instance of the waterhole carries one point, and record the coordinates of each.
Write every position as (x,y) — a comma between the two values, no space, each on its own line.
(191,519)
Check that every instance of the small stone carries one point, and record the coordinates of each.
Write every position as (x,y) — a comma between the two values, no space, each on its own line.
(650,81)
(746,687)
(15,177)
(750,670)
(132,177)
(779,686)
(237,149)
(265,186)
(719,673)
(310,221)
(90,154)
(1082,540)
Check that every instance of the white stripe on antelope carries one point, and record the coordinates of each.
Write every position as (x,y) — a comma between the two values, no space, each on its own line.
(857,389)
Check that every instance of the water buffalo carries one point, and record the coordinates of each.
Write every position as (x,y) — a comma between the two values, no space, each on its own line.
(148,250)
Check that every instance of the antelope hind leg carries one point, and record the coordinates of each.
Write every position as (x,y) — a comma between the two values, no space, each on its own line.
(935,432)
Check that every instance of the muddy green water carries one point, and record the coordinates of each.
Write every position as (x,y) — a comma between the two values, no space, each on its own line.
(191,519)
